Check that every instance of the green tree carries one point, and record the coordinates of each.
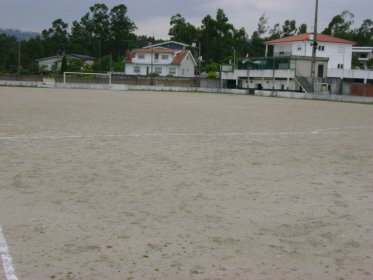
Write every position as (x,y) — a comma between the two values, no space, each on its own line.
(121,31)
(182,31)
(370,64)
(64,64)
(355,61)
(275,32)
(91,34)
(118,64)
(302,28)
(8,53)
(220,40)
(289,28)
(76,66)
(364,34)
(340,25)
(262,25)
(257,48)
(31,50)
(55,39)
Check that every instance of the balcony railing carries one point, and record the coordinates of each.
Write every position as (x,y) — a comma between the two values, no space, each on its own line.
(264,63)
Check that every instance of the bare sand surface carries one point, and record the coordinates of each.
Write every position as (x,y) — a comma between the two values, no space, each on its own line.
(147,185)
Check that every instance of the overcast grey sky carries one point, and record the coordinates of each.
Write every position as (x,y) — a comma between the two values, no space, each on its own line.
(154,16)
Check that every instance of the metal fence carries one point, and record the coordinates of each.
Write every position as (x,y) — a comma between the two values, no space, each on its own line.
(264,63)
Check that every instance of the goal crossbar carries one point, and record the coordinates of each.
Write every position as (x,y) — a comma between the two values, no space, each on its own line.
(86,73)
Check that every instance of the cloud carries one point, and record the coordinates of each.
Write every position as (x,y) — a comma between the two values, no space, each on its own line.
(155,15)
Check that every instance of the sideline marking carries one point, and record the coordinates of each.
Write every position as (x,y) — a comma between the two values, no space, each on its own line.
(6,259)
(138,135)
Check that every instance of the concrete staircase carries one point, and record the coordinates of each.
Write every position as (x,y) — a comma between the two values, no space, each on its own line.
(305,84)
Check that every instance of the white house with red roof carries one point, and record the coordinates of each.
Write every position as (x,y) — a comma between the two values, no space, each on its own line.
(163,61)
(337,50)
(290,66)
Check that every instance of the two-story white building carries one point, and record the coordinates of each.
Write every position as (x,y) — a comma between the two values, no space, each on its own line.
(163,61)
(289,67)
(337,50)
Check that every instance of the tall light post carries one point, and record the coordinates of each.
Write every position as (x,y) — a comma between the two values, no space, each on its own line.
(234,58)
(199,60)
(19,59)
(314,48)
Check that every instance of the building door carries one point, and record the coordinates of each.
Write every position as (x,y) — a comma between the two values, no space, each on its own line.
(320,71)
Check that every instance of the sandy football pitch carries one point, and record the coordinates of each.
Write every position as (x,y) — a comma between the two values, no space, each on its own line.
(147,185)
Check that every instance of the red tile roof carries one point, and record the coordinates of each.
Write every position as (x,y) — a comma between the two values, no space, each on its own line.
(179,57)
(305,37)
(129,57)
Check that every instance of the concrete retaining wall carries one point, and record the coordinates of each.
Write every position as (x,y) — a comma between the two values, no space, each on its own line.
(19,83)
(327,97)
(121,87)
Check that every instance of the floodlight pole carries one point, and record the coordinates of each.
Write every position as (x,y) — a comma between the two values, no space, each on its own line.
(314,48)
(199,64)
(19,59)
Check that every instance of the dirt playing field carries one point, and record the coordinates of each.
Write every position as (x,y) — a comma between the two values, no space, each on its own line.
(147,185)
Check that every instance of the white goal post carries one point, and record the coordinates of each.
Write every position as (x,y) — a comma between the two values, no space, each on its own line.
(86,73)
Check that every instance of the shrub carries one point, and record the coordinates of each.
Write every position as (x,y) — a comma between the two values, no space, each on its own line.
(153,74)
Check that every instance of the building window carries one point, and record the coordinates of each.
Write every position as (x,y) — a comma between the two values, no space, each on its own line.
(340,66)
(158,70)
(299,48)
(172,71)
(164,56)
(136,69)
(141,56)
(321,48)
(156,56)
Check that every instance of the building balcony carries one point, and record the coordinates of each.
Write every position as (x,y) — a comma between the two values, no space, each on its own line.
(256,74)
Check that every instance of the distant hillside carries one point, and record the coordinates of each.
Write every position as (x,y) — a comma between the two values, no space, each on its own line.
(20,35)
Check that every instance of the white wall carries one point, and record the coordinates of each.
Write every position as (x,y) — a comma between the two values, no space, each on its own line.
(48,63)
(148,58)
(187,67)
(337,53)
(129,69)
(283,49)
(269,84)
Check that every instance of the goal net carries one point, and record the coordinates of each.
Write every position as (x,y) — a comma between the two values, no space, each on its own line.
(87,77)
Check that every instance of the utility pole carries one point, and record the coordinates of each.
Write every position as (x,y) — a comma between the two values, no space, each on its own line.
(314,48)
(99,57)
(151,65)
(111,63)
(199,63)
(234,58)
(58,57)
(19,59)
